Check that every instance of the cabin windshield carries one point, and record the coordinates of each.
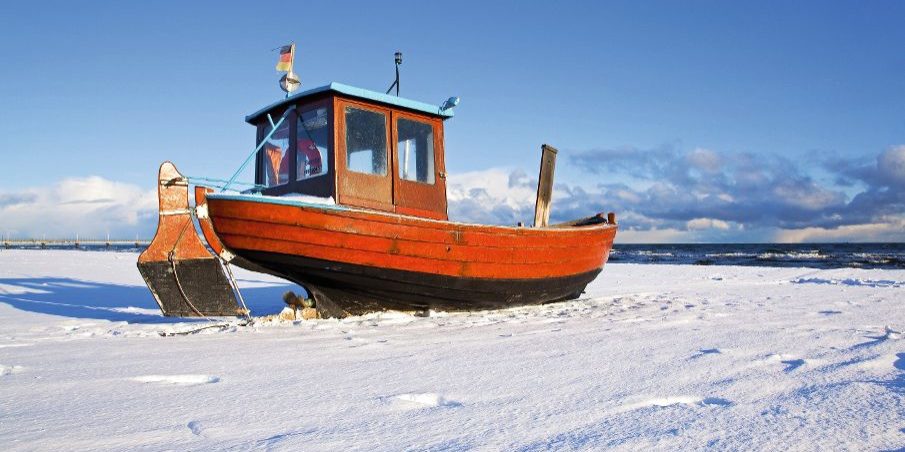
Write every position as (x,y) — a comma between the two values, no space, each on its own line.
(276,156)
(313,144)
(366,141)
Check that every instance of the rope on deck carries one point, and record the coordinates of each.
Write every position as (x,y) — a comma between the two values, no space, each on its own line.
(222,183)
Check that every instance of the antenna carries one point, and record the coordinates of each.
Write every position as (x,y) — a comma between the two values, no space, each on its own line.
(398,56)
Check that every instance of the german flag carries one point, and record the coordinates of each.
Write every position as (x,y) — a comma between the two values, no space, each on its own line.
(286,56)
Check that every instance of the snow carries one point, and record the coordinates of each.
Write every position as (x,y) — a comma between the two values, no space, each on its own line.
(653,356)
(178,379)
(309,199)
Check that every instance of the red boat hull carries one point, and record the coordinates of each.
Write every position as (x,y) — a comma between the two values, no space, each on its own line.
(355,261)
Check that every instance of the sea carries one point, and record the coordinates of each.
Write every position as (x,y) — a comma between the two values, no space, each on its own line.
(813,255)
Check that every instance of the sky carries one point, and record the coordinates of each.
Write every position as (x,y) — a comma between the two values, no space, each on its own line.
(698,121)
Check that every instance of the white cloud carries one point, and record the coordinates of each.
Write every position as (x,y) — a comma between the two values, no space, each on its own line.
(501,196)
(757,191)
(706,223)
(806,197)
(654,236)
(892,230)
(493,196)
(89,207)
(704,160)
(666,211)
(891,165)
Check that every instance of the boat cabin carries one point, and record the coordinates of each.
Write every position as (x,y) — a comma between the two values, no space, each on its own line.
(363,148)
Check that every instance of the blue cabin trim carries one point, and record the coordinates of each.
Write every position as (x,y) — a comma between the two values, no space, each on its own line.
(357,93)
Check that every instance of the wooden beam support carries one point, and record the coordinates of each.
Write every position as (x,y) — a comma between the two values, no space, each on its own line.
(545,186)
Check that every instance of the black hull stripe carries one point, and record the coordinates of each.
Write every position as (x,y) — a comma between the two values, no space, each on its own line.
(357,289)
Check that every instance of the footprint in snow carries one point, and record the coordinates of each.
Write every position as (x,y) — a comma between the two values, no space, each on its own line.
(662,402)
(15,345)
(178,380)
(72,327)
(793,364)
(196,428)
(878,363)
(8,370)
(887,335)
(715,401)
(423,400)
(706,351)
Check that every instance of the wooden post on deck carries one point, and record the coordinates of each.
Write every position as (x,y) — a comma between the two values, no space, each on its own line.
(545,186)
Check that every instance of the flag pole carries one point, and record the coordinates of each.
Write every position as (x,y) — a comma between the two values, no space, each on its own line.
(291,65)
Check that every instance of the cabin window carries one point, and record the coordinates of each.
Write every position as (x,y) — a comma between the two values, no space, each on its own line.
(276,156)
(313,143)
(415,149)
(366,141)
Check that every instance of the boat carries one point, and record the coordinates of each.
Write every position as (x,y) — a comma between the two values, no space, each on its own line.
(349,202)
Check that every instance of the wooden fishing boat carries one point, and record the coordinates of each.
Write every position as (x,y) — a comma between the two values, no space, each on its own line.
(350,203)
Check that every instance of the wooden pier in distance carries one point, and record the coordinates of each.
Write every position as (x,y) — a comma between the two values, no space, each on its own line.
(71,243)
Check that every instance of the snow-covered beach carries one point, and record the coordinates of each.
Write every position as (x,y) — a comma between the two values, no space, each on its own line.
(663,356)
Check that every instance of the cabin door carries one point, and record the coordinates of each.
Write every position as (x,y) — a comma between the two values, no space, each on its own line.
(363,157)
(418,166)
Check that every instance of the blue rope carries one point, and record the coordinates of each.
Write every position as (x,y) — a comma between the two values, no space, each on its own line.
(258,148)
(214,182)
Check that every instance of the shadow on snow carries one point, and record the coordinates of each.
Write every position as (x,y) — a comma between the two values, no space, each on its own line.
(899,382)
(114,302)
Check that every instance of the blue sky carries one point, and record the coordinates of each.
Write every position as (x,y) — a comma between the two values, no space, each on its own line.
(774,116)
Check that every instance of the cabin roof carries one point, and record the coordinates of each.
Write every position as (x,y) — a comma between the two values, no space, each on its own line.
(358,93)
